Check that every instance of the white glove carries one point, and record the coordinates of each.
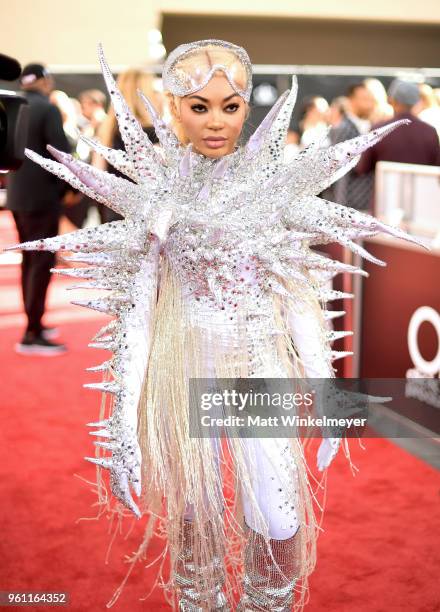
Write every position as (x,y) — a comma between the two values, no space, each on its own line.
(306,332)
(327,451)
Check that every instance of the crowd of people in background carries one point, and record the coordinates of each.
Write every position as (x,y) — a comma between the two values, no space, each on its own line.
(365,106)
(43,205)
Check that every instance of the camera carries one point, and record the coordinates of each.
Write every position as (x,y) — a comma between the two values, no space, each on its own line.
(14,117)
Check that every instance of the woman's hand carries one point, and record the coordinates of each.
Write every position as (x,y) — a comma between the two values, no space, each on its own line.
(327,451)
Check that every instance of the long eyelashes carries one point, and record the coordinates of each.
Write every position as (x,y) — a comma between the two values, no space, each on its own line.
(198,108)
(201,108)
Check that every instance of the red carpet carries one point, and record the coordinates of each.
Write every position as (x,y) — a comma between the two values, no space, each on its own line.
(379,551)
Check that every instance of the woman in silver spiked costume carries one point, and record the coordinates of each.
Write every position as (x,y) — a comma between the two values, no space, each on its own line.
(211,275)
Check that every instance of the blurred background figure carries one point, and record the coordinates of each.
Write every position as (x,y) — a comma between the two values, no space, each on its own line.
(337,111)
(416,143)
(92,103)
(69,115)
(313,121)
(382,109)
(292,147)
(428,107)
(129,83)
(34,197)
(353,190)
(73,213)
(91,106)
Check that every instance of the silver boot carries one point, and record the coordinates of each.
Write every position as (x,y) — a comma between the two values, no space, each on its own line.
(194,595)
(269,585)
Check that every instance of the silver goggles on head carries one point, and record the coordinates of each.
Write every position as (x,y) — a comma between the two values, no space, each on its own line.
(190,67)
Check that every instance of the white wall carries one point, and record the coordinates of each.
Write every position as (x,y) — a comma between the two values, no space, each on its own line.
(60,32)
(425,11)
(66,32)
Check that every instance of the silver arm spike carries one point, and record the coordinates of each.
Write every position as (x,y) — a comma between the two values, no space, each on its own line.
(111,446)
(103,433)
(104,345)
(137,144)
(103,367)
(314,171)
(103,423)
(112,235)
(65,174)
(109,328)
(321,262)
(357,224)
(329,294)
(104,387)
(340,354)
(115,157)
(109,259)
(117,193)
(336,335)
(78,272)
(111,305)
(102,462)
(257,139)
(281,124)
(329,315)
(166,136)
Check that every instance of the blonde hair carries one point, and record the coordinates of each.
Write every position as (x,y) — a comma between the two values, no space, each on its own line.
(95,95)
(191,64)
(128,83)
(172,103)
(427,95)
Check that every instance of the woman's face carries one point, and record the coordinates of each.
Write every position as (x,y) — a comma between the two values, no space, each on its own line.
(213,117)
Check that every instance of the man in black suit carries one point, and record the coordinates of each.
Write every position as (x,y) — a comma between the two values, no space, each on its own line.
(34,197)
(353,190)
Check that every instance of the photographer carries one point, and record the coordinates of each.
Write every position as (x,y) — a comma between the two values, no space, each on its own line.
(34,197)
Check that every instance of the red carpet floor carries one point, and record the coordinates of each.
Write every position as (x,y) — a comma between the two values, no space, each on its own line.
(379,551)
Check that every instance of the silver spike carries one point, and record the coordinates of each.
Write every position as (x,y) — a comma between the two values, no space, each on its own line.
(104,387)
(256,141)
(106,346)
(166,137)
(336,335)
(321,262)
(100,368)
(101,284)
(102,462)
(339,354)
(133,136)
(77,272)
(117,193)
(111,446)
(333,314)
(185,164)
(107,305)
(113,235)
(115,157)
(330,294)
(110,327)
(102,423)
(103,433)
